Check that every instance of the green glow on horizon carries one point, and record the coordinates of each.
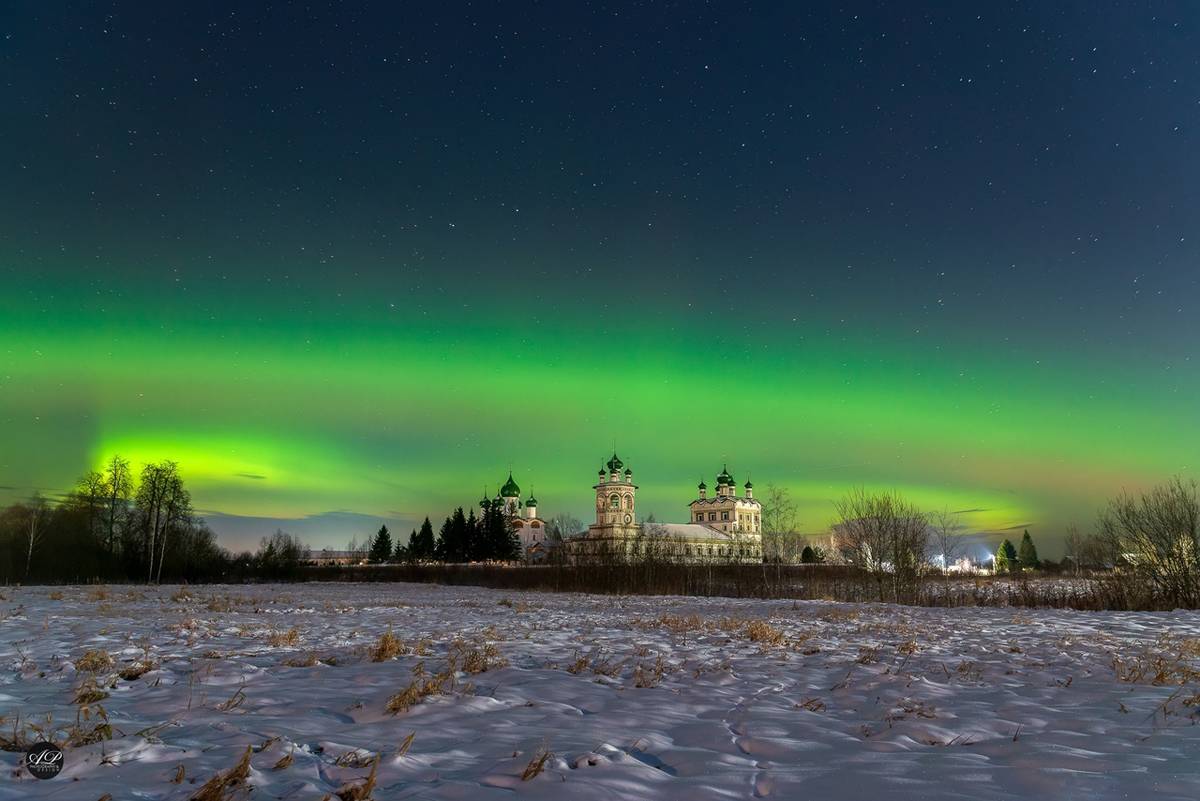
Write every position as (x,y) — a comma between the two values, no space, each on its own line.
(400,420)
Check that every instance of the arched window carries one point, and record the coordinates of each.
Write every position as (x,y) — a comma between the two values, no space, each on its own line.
(614,501)
(628,501)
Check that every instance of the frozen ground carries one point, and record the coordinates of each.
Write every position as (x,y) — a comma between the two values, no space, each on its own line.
(674,698)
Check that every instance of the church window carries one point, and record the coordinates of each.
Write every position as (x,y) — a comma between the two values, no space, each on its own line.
(614,501)
(712,515)
(724,515)
(535,524)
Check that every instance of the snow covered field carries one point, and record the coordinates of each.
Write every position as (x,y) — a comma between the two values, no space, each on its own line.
(648,697)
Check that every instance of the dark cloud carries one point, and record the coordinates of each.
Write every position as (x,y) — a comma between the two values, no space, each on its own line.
(254,476)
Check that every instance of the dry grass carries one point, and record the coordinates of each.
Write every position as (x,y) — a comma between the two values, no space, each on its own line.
(811,704)
(281,639)
(407,744)
(307,660)
(180,775)
(215,788)
(389,646)
(470,659)
(418,691)
(867,655)
(55,596)
(89,692)
(233,702)
(359,792)
(285,761)
(645,677)
(536,765)
(761,631)
(682,624)
(94,662)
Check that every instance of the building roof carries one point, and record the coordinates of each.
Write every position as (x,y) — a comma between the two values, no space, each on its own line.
(694,531)
(721,500)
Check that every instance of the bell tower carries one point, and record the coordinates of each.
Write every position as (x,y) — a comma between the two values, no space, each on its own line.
(616,514)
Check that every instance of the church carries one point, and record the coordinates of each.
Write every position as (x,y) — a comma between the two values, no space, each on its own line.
(523,517)
(723,528)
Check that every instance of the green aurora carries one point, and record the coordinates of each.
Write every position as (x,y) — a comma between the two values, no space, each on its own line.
(396,418)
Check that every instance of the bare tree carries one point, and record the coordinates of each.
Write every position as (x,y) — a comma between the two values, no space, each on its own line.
(562,526)
(89,496)
(885,536)
(36,513)
(1075,547)
(119,481)
(780,541)
(1156,536)
(945,537)
(162,502)
(178,510)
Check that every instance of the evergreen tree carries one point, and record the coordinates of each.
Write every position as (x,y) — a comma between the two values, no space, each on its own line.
(471,538)
(1028,553)
(421,544)
(495,536)
(444,544)
(453,541)
(414,545)
(1006,557)
(808,556)
(381,546)
(425,541)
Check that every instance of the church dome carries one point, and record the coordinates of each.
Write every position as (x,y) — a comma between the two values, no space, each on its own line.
(510,488)
(531,502)
(615,463)
(749,485)
(702,485)
(723,477)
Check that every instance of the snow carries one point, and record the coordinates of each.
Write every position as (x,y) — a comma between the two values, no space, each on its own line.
(830,701)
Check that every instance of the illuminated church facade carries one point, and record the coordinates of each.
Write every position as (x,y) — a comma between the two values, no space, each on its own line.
(725,527)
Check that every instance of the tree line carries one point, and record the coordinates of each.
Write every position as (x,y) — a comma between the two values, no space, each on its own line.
(118,524)
(461,538)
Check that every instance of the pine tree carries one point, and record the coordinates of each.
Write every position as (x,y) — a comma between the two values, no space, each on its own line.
(424,542)
(1006,557)
(471,538)
(414,545)
(808,556)
(1028,553)
(444,545)
(381,546)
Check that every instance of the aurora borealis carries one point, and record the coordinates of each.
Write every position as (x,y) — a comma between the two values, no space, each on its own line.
(350,264)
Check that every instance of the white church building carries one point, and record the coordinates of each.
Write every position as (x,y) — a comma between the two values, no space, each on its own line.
(725,527)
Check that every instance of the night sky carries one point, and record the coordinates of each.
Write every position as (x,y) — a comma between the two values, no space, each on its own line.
(347,262)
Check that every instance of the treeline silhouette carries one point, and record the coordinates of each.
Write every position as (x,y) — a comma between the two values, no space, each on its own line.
(115,525)
(462,538)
